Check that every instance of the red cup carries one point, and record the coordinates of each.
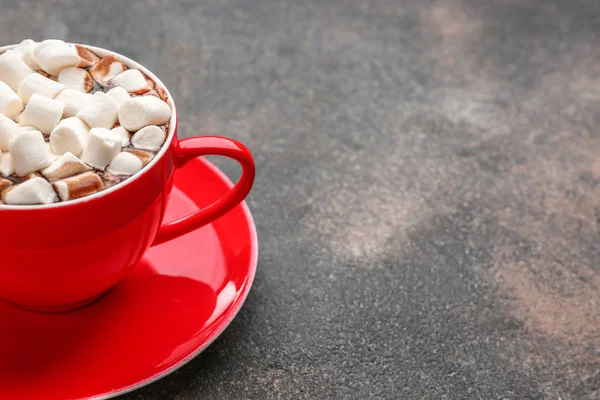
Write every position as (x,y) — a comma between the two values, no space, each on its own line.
(62,256)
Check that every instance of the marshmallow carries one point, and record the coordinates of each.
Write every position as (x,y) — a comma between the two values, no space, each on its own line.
(13,70)
(8,130)
(139,112)
(149,138)
(106,69)
(76,79)
(73,101)
(124,133)
(46,43)
(29,152)
(119,94)
(66,165)
(55,55)
(36,83)
(125,164)
(4,183)
(78,186)
(10,103)
(142,155)
(88,58)
(6,165)
(70,135)
(26,48)
(133,81)
(42,113)
(103,145)
(54,155)
(33,191)
(101,112)
(17,119)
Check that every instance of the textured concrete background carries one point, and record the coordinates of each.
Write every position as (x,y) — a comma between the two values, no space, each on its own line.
(428,190)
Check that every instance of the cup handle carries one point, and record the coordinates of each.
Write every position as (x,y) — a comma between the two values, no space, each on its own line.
(188,149)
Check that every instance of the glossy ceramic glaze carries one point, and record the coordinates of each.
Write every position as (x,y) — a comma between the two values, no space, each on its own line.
(61,256)
(172,304)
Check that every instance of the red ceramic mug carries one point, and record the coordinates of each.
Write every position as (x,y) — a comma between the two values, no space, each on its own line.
(62,256)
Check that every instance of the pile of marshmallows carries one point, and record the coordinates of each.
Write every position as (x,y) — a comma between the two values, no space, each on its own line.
(50,123)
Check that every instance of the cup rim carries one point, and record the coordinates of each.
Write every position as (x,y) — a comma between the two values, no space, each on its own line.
(101,52)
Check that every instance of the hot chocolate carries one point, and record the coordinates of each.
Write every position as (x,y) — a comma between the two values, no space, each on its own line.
(73,123)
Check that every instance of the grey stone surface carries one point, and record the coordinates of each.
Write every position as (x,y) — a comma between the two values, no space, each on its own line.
(428,189)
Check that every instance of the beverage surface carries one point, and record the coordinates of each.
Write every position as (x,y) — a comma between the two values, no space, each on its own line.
(72,123)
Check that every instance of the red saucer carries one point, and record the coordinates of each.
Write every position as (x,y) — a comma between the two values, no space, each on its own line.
(175,303)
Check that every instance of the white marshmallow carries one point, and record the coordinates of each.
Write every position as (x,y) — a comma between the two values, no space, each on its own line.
(36,83)
(73,101)
(106,69)
(88,58)
(138,112)
(45,43)
(42,113)
(125,135)
(65,165)
(78,186)
(119,94)
(76,79)
(149,138)
(101,112)
(6,165)
(125,164)
(103,145)
(133,81)
(54,155)
(29,152)
(33,191)
(10,103)
(8,130)
(70,135)
(13,70)
(17,119)
(145,156)
(55,55)
(26,48)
